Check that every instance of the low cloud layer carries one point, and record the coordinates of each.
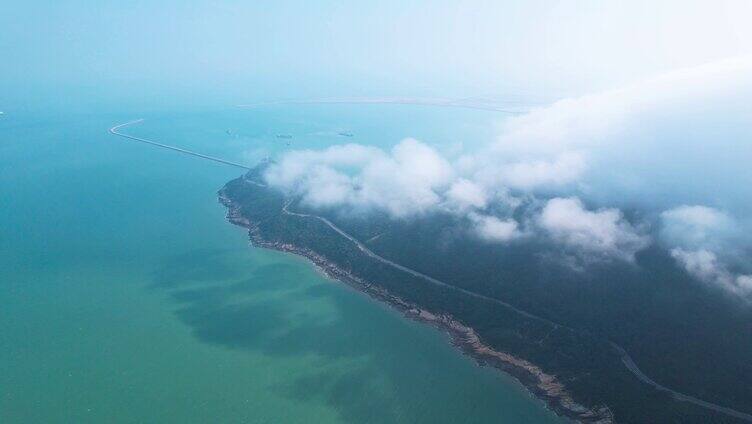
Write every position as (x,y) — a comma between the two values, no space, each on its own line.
(695,226)
(601,233)
(493,229)
(641,145)
(703,240)
(645,143)
(705,266)
(408,180)
(413,179)
(601,119)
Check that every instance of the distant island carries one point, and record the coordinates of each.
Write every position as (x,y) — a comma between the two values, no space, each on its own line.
(564,335)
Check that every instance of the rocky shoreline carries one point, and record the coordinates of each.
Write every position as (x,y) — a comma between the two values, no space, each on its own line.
(544,386)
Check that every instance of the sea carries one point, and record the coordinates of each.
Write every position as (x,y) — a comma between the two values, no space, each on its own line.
(126,296)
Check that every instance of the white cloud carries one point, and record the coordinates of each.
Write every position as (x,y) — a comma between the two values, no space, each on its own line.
(529,175)
(697,216)
(493,229)
(465,194)
(647,142)
(292,171)
(699,238)
(744,282)
(601,234)
(693,226)
(405,182)
(602,118)
(705,266)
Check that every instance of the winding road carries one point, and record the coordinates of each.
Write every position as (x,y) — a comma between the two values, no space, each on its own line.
(415,273)
(625,358)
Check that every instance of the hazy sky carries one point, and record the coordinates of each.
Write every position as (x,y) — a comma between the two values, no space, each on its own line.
(233,51)
(648,105)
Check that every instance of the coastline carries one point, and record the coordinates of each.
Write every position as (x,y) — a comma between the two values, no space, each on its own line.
(543,386)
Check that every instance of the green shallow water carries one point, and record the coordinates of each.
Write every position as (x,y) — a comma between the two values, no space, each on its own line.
(125,296)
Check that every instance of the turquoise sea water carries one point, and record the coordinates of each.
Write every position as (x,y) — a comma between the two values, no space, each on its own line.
(126,297)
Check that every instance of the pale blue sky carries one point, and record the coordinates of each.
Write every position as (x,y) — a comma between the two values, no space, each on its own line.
(232,51)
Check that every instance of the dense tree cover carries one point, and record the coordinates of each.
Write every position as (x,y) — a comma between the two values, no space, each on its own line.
(681,334)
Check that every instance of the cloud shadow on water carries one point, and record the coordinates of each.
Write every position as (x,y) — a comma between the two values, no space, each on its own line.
(284,310)
(368,365)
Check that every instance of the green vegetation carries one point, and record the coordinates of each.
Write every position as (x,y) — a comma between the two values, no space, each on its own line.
(680,334)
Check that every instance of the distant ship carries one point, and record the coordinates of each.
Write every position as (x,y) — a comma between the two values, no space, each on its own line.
(286,136)
(345,134)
